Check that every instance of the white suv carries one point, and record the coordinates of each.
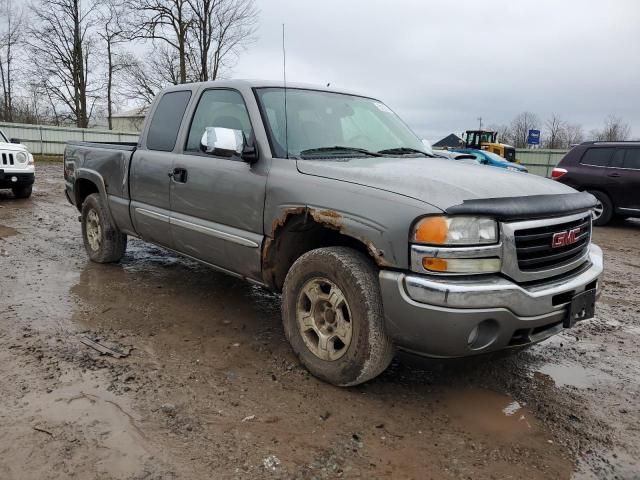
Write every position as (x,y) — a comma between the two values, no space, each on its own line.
(17,171)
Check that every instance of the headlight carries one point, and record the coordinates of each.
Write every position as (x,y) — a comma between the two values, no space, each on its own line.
(513,169)
(21,157)
(441,230)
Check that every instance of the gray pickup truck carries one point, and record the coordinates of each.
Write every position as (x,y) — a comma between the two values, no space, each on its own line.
(329,198)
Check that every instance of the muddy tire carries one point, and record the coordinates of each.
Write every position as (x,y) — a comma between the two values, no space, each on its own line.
(22,192)
(333,317)
(103,241)
(603,212)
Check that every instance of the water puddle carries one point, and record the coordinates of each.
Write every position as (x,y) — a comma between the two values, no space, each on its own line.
(490,413)
(6,232)
(572,375)
(106,420)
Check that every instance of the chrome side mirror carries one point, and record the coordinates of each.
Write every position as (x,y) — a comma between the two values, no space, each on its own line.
(224,142)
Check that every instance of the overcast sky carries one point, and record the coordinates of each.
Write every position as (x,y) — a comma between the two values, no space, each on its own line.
(442,64)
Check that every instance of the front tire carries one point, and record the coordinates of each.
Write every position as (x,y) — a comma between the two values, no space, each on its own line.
(333,316)
(103,241)
(603,211)
(23,191)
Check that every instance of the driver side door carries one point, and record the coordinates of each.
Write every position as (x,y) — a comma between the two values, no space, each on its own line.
(217,202)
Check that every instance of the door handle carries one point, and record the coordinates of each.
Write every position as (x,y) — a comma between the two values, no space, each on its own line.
(613,174)
(178,175)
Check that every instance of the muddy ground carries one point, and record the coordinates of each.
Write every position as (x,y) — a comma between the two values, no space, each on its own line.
(210,388)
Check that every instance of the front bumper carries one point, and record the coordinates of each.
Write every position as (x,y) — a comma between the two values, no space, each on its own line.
(22,179)
(436,316)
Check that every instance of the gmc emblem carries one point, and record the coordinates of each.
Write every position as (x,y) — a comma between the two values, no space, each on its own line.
(562,239)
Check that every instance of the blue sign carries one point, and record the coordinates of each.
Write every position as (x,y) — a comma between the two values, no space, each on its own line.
(534,137)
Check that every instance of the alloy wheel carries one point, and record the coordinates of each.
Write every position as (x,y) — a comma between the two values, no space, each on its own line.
(324,319)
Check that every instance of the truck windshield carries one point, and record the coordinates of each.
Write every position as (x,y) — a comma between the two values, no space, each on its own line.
(323,124)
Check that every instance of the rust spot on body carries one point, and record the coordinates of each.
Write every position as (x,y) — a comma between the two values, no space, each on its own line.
(329,219)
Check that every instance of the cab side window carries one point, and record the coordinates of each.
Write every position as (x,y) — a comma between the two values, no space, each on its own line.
(163,130)
(598,157)
(632,158)
(218,108)
(618,159)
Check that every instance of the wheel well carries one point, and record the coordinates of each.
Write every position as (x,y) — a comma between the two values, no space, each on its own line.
(601,192)
(83,188)
(299,234)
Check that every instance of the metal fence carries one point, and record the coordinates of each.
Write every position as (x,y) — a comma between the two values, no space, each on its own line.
(47,140)
(539,161)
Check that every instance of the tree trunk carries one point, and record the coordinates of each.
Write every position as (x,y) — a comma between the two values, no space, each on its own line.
(109,85)
(182,47)
(9,100)
(80,80)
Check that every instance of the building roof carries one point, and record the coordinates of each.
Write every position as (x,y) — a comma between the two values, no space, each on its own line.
(451,140)
(133,113)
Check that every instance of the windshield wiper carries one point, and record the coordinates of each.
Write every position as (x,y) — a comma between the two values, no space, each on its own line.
(402,151)
(339,149)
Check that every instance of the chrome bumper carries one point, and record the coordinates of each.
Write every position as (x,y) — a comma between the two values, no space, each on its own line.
(436,315)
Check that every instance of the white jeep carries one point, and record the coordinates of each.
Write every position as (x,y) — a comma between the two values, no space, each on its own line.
(17,171)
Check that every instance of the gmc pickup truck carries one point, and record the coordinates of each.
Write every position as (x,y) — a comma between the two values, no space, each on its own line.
(329,198)
(17,171)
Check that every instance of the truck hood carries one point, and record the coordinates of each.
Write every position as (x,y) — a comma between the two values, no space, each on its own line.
(440,182)
(12,147)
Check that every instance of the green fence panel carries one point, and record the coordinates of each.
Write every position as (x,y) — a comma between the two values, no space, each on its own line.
(48,140)
(540,161)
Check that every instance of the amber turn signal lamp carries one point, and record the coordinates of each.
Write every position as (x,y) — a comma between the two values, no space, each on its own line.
(432,230)
(435,264)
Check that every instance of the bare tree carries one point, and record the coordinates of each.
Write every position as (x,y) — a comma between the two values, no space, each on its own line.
(520,127)
(504,133)
(614,130)
(112,32)
(221,29)
(143,80)
(555,132)
(61,50)
(574,134)
(11,32)
(168,21)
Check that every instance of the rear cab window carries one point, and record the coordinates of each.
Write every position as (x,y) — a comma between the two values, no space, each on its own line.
(597,157)
(166,121)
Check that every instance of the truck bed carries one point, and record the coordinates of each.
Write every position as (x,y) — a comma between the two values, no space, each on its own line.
(109,160)
(130,146)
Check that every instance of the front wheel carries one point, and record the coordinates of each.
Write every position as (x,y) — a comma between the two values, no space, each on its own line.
(333,316)
(103,241)
(22,192)
(603,211)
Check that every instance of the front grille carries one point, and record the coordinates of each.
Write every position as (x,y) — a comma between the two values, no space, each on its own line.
(535,249)
(7,159)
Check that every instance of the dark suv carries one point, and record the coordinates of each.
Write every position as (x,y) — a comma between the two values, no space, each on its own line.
(608,170)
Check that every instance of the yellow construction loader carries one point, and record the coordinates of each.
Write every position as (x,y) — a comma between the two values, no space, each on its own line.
(487,140)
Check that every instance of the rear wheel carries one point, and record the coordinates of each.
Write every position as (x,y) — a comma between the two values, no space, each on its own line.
(603,211)
(22,192)
(103,241)
(333,317)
